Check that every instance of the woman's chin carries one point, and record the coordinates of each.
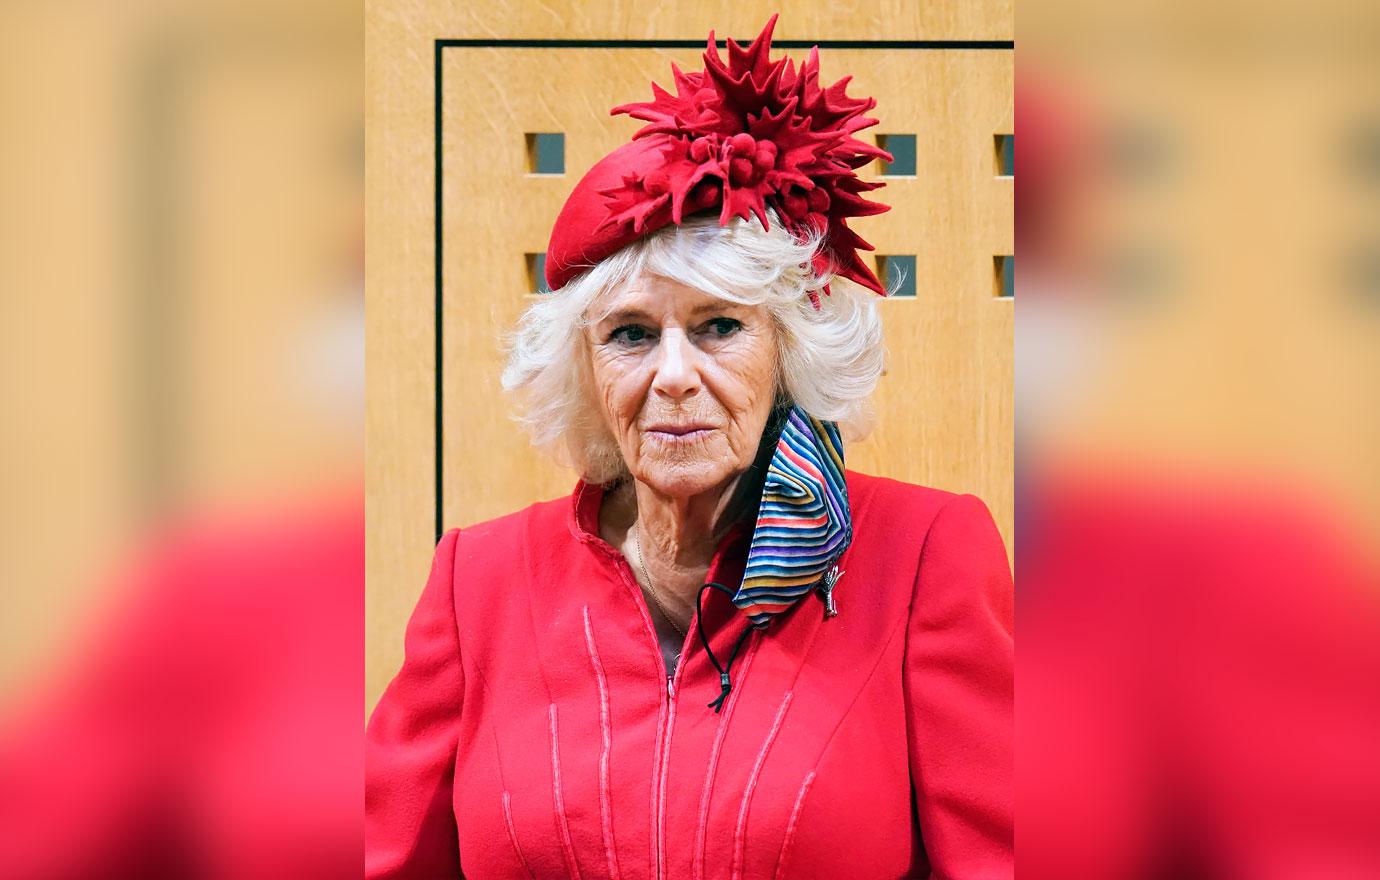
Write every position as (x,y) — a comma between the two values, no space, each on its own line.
(682,479)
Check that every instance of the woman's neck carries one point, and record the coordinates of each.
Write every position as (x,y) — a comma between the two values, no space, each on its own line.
(681,532)
(671,540)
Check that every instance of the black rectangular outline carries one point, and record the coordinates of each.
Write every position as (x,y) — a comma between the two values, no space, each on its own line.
(439,47)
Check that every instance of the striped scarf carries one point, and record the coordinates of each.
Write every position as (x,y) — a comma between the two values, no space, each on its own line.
(803,523)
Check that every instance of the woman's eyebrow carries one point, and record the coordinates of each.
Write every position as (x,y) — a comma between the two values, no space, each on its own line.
(625,314)
(716,305)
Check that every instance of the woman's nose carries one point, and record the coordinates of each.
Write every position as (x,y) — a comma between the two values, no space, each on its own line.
(677,366)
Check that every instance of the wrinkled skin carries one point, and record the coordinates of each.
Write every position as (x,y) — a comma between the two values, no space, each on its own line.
(685,382)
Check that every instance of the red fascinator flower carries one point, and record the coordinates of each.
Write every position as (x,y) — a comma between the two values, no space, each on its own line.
(741,137)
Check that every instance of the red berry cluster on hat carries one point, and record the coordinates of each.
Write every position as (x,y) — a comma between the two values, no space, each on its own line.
(742,136)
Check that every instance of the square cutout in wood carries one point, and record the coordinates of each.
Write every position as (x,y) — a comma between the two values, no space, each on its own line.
(1004,154)
(897,274)
(902,150)
(1004,276)
(536,273)
(546,153)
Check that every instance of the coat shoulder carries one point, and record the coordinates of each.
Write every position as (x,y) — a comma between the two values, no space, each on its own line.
(871,494)
(509,536)
(889,514)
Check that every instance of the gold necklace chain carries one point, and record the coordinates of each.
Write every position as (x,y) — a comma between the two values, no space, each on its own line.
(651,587)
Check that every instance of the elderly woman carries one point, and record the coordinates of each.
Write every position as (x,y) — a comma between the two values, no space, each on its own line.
(723,656)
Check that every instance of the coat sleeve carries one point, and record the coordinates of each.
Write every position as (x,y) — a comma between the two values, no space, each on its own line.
(410,745)
(959,695)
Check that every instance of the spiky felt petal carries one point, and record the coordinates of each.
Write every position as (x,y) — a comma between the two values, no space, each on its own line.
(754,133)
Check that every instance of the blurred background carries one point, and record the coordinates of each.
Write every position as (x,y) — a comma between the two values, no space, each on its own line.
(1198,419)
(181,364)
(1196,422)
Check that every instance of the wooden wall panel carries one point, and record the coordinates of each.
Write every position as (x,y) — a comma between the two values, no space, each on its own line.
(944,407)
(740,19)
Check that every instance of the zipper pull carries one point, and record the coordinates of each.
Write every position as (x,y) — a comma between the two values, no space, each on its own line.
(670,686)
(826,589)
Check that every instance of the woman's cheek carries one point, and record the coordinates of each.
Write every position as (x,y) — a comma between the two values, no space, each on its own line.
(611,372)
(623,404)
(740,378)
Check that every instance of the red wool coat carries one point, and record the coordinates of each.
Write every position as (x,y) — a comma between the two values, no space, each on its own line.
(532,731)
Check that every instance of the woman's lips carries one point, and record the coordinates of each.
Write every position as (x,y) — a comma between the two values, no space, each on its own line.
(678,433)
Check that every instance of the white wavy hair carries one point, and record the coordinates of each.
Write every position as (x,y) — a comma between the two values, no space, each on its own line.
(829,358)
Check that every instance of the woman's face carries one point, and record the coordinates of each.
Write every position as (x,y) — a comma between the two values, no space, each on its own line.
(685,382)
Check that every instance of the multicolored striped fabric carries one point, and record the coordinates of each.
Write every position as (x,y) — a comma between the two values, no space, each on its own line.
(803,523)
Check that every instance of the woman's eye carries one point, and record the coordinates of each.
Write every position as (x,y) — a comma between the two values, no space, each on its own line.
(723,326)
(629,334)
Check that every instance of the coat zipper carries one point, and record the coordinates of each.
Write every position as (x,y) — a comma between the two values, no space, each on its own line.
(667,703)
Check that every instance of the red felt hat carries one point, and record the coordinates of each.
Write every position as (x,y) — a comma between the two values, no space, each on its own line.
(737,137)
